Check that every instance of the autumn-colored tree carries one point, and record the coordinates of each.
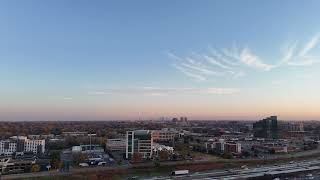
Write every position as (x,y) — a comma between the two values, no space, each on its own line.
(35,168)
(163,155)
(55,163)
(137,157)
(103,141)
(79,158)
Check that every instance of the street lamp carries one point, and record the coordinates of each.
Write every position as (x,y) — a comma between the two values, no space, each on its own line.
(90,135)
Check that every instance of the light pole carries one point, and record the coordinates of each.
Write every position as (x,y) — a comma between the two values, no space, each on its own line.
(90,135)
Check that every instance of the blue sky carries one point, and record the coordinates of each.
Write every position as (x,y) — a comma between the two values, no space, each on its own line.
(87,60)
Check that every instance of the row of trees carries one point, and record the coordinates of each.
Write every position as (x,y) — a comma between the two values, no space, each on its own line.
(108,129)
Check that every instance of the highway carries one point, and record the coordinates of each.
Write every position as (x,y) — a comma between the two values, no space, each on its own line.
(244,173)
(240,173)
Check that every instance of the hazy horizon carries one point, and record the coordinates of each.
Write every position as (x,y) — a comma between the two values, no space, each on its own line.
(82,60)
(153,119)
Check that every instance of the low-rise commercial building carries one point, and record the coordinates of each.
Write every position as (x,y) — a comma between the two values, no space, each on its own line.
(270,148)
(164,135)
(232,147)
(116,144)
(222,146)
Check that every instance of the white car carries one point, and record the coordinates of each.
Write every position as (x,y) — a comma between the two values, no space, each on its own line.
(103,163)
(83,164)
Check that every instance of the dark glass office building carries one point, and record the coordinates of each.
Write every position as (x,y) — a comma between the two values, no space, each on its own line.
(266,128)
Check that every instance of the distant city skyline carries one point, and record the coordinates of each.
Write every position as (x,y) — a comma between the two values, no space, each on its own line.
(122,60)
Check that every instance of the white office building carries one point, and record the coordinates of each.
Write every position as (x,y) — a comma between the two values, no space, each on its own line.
(21,144)
(7,147)
(139,141)
(35,146)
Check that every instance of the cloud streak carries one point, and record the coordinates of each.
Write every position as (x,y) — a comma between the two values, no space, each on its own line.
(310,45)
(294,56)
(253,61)
(156,91)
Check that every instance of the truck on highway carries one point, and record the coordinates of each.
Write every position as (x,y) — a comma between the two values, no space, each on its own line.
(180,172)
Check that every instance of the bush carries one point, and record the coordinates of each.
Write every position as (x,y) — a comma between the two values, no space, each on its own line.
(35,168)
(227,156)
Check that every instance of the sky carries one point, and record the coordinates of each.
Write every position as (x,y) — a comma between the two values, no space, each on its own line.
(128,60)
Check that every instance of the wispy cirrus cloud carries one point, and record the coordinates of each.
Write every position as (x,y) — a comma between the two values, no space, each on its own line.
(218,63)
(310,45)
(193,68)
(237,62)
(67,98)
(253,61)
(190,73)
(295,56)
(156,91)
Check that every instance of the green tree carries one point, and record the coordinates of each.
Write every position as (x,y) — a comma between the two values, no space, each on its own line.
(55,159)
(183,149)
(227,156)
(157,163)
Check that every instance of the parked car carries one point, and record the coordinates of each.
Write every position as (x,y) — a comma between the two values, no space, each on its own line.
(102,163)
(83,164)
